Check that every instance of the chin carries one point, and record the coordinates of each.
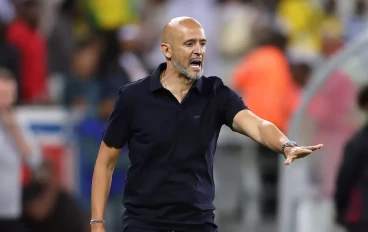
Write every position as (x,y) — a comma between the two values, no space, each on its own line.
(196,75)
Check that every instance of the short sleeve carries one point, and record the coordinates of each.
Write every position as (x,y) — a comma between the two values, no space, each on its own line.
(231,104)
(118,125)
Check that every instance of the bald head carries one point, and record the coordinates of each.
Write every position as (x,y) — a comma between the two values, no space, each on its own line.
(184,46)
(177,26)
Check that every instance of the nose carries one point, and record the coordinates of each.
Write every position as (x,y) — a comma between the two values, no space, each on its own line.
(198,50)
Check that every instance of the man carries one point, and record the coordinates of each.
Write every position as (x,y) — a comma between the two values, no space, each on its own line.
(47,207)
(14,149)
(356,22)
(8,54)
(351,187)
(267,89)
(62,39)
(23,34)
(169,185)
(264,80)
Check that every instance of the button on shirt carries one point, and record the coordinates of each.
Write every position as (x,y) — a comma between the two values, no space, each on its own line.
(170,182)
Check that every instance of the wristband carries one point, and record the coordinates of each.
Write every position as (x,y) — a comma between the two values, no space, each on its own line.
(95,221)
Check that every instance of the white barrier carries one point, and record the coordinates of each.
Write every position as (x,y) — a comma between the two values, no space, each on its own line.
(52,130)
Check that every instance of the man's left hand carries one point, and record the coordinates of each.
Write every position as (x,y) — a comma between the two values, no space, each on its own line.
(293,153)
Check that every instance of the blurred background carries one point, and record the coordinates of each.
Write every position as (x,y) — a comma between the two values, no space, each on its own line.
(297,63)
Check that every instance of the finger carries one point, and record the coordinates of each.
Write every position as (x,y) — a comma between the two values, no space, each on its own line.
(289,160)
(301,153)
(304,151)
(313,148)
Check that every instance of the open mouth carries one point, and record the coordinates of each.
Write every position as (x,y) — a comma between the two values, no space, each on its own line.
(196,64)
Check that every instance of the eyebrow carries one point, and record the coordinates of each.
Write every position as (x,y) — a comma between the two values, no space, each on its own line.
(193,40)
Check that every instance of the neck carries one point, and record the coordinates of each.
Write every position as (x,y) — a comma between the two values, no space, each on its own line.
(175,81)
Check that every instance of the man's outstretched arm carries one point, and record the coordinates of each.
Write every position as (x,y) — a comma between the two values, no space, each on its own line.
(101,182)
(266,133)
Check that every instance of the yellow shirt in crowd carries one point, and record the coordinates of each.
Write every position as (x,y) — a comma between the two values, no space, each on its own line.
(111,14)
(303,20)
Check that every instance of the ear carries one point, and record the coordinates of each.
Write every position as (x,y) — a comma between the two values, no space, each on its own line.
(166,50)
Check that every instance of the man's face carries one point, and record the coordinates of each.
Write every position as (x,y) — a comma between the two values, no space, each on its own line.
(8,93)
(188,52)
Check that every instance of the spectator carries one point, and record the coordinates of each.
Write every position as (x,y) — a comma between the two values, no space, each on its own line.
(235,36)
(302,64)
(153,19)
(23,34)
(302,20)
(15,148)
(120,63)
(236,28)
(129,60)
(62,40)
(110,52)
(89,133)
(81,91)
(7,11)
(8,54)
(265,80)
(48,208)
(301,73)
(332,30)
(351,195)
(123,66)
(329,115)
(358,22)
(113,15)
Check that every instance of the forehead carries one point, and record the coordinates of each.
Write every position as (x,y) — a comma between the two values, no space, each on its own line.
(6,83)
(190,33)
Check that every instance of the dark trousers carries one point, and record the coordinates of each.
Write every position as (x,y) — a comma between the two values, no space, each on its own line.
(204,228)
(358,227)
(12,226)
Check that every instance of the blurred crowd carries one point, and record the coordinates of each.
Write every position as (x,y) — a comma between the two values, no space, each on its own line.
(78,53)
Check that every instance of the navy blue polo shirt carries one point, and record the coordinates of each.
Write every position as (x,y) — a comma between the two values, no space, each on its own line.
(170,182)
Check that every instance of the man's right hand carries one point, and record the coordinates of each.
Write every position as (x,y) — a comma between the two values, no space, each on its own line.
(98,227)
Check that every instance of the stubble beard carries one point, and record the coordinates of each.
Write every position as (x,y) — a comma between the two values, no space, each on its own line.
(184,70)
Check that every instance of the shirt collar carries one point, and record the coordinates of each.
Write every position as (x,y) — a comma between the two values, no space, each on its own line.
(156,83)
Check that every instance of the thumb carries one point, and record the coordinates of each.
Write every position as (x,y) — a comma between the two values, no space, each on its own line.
(288,161)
